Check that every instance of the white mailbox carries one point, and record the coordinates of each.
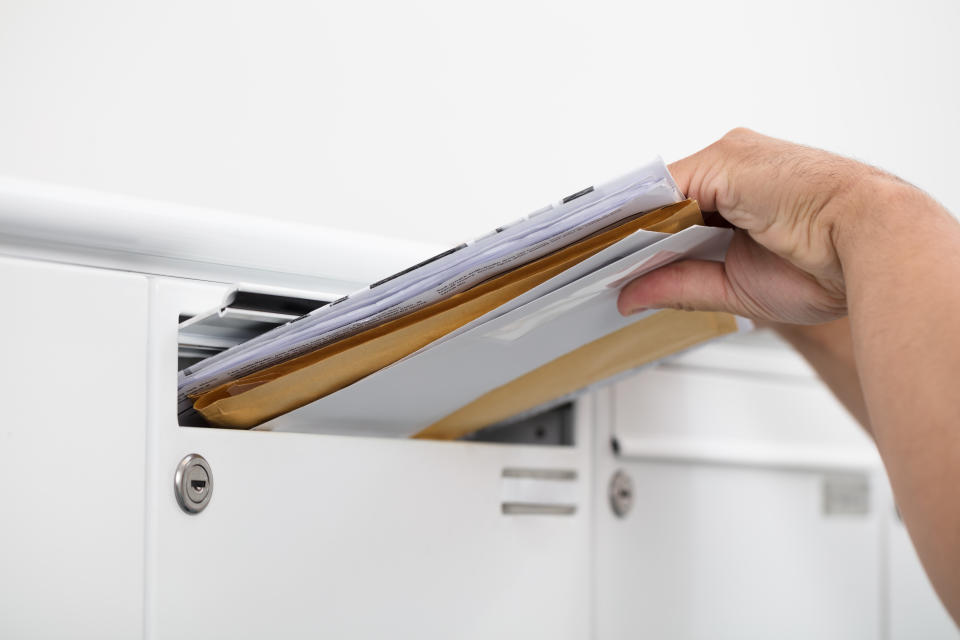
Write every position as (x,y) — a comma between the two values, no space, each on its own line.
(747,505)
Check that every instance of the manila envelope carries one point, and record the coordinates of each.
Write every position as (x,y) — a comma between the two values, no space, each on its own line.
(253,399)
(637,344)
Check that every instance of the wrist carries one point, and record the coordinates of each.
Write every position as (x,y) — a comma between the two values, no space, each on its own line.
(876,210)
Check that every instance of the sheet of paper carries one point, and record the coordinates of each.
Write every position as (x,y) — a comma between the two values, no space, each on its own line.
(407,396)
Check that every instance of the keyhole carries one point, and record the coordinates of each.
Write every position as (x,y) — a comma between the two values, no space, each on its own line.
(198,485)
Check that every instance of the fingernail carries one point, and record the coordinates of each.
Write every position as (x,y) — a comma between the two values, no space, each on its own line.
(637,310)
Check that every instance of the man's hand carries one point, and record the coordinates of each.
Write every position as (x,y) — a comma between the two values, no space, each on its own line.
(790,204)
(821,236)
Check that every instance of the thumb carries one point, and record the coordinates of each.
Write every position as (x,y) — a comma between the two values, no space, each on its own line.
(693,285)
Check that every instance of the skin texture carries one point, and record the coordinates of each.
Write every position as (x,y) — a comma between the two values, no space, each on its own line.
(821,238)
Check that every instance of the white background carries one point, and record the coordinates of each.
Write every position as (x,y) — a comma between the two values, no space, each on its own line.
(439,120)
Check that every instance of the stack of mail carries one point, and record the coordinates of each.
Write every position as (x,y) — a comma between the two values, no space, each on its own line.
(483,331)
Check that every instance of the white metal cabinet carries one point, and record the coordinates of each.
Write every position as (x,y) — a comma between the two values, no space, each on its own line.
(716,552)
(728,535)
(73,385)
(310,535)
(729,447)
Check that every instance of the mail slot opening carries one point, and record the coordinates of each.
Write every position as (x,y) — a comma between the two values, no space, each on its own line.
(205,335)
(244,315)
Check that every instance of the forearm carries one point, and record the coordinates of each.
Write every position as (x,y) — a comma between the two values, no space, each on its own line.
(828,348)
(901,263)
(820,236)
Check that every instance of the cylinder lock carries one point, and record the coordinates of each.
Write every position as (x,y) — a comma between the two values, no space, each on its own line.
(193,483)
(620,492)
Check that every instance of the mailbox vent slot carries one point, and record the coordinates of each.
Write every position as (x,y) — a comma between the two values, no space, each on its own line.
(538,492)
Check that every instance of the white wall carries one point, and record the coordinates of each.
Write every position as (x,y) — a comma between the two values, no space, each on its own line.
(440,120)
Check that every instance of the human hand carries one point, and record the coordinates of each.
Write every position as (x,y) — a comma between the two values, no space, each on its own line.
(818,233)
(791,205)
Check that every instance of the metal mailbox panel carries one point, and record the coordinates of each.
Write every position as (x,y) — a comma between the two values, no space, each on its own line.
(73,374)
(315,535)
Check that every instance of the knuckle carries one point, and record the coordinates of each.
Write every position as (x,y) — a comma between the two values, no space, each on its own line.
(739,138)
(739,133)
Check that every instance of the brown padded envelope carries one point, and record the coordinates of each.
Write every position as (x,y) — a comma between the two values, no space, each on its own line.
(253,399)
(642,342)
